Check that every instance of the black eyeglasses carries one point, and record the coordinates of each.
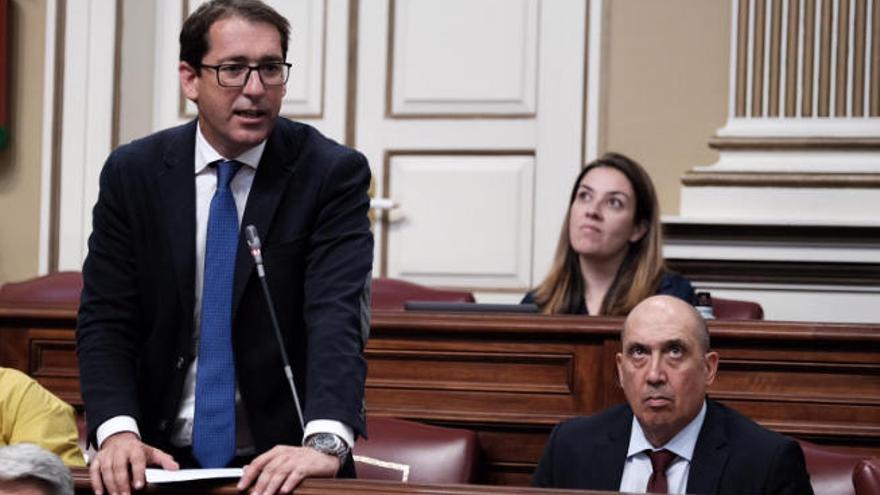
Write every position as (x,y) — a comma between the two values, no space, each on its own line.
(237,75)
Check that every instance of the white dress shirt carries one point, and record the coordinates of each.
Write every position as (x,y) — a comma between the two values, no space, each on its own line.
(206,185)
(637,469)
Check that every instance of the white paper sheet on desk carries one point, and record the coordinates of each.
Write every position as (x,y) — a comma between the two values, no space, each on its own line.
(163,476)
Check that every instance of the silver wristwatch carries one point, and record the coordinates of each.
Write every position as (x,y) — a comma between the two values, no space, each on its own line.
(330,444)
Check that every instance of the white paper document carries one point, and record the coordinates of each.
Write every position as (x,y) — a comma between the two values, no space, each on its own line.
(163,476)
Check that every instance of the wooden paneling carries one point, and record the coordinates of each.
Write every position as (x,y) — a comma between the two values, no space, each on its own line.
(39,341)
(511,378)
(809,380)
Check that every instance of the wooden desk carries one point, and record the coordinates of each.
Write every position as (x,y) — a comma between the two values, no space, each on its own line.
(511,378)
(349,487)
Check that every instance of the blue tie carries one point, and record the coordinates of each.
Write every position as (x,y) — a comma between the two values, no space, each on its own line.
(214,422)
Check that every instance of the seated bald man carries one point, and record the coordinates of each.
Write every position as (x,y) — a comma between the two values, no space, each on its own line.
(670,437)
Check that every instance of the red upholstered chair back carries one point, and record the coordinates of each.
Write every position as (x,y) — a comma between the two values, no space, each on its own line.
(834,473)
(55,289)
(866,477)
(391,294)
(732,309)
(401,450)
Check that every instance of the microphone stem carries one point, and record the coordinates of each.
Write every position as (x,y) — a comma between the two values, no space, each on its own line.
(277,329)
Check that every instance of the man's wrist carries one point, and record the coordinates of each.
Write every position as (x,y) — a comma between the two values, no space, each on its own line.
(114,425)
(330,444)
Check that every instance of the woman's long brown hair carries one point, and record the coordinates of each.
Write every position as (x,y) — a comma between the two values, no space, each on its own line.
(639,275)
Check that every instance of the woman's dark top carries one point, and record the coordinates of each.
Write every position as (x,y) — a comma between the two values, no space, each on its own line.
(672,284)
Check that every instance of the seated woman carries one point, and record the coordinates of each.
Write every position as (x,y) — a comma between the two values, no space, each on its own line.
(609,256)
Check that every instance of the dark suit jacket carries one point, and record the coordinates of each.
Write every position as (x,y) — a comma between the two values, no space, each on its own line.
(309,203)
(733,455)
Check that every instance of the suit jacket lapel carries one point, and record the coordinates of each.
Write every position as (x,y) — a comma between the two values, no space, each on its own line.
(710,453)
(609,457)
(268,187)
(177,192)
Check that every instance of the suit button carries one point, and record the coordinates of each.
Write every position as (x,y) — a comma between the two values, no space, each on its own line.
(163,425)
(180,362)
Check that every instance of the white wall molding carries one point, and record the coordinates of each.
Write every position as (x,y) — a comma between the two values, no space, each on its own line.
(464,57)
(86,129)
(47,137)
(803,303)
(822,129)
(594,90)
(737,127)
(788,267)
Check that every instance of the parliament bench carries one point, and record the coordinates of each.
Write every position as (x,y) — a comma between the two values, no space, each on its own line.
(511,378)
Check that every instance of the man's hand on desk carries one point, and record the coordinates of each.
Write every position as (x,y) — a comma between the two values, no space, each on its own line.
(281,469)
(110,467)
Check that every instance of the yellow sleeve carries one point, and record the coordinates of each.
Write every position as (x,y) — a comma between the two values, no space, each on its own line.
(33,415)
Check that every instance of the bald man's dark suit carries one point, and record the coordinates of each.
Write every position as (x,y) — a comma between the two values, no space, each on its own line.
(733,455)
(309,203)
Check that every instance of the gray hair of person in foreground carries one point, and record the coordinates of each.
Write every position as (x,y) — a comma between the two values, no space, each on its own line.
(28,463)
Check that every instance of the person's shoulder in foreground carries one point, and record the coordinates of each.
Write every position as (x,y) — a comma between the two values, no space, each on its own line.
(30,413)
(26,468)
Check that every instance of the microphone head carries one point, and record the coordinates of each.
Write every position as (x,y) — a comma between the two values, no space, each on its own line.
(253,239)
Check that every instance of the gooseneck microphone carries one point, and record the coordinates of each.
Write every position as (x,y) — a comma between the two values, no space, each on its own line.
(253,241)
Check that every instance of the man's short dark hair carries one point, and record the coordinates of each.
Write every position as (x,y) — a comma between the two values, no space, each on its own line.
(194,40)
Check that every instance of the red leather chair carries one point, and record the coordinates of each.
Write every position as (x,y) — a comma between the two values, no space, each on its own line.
(400,450)
(732,309)
(55,289)
(840,473)
(391,294)
(866,477)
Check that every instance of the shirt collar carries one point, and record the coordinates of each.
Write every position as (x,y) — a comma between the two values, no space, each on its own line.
(682,444)
(206,154)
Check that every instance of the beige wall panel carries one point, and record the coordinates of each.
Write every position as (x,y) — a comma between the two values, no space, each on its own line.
(667,85)
(20,160)
(445,199)
(464,57)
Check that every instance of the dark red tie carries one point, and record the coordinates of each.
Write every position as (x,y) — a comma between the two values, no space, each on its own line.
(660,461)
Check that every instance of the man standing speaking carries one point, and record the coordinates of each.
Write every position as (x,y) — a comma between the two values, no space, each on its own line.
(178,359)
